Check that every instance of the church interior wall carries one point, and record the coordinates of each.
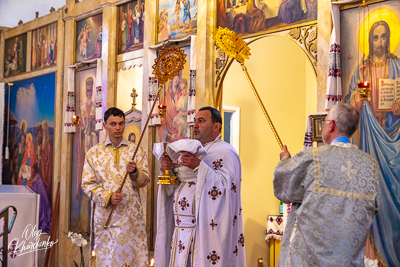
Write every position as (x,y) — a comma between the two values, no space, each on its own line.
(126,81)
(286,91)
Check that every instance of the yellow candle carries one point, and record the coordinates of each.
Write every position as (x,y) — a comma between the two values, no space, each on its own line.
(93,259)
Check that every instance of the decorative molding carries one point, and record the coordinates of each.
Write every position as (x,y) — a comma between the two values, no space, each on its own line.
(306,38)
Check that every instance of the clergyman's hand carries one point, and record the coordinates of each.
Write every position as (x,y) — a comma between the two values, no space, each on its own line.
(284,153)
(131,166)
(116,198)
(166,163)
(189,160)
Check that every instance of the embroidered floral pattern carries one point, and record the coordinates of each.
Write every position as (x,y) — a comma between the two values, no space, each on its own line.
(218,164)
(191,183)
(235,251)
(192,77)
(213,224)
(178,221)
(181,246)
(213,257)
(241,240)
(348,170)
(234,219)
(183,203)
(334,61)
(233,187)
(214,193)
(71,101)
(279,220)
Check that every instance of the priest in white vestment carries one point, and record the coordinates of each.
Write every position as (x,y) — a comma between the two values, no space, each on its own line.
(200,220)
(125,240)
(334,190)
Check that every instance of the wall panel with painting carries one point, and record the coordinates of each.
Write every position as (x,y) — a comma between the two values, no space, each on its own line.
(369,52)
(255,17)
(31,140)
(131,26)
(89,38)
(44,47)
(15,55)
(84,138)
(176,19)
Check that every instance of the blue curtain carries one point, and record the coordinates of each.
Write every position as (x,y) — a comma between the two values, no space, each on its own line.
(385,229)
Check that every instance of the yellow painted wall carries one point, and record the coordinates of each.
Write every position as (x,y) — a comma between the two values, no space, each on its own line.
(128,79)
(281,73)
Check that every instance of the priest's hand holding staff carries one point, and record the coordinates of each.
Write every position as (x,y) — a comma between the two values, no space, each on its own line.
(285,153)
(116,197)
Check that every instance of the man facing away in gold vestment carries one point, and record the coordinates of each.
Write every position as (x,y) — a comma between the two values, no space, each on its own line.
(125,238)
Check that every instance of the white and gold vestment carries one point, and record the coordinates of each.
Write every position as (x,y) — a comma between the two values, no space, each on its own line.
(334,190)
(199,221)
(103,173)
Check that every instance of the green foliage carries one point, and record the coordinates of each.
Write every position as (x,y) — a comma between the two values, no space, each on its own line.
(76,264)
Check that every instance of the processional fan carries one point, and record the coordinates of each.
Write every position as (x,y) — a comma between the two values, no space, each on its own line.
(167,65)
(234,46)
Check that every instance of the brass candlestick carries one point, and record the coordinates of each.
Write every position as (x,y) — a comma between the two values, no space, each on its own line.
(234,46)
(363,90)
(162,110)
(75,120)
(167,177)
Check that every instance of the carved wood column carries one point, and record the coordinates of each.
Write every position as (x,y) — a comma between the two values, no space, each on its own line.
(324,35)
(109,55)
(206,22)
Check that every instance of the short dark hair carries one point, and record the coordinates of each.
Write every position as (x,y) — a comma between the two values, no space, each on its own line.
(116,112)
(215,115)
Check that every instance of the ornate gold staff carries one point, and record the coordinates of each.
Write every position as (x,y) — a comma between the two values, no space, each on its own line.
(234,46)
(168,64)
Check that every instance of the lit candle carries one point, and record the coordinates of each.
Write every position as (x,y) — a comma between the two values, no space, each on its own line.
(75,120)
(162,109)
(363,85)
(151,263)
(93,259)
